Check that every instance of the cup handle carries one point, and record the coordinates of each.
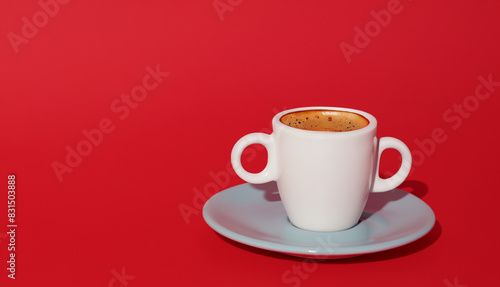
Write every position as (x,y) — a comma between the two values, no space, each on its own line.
(270,172)
(381,185)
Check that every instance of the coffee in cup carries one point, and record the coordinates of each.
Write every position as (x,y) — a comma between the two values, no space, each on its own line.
(325,120)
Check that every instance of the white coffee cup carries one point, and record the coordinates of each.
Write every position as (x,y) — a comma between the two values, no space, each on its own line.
(323,177)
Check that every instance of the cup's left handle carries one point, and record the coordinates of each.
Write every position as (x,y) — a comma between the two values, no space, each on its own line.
(270,172)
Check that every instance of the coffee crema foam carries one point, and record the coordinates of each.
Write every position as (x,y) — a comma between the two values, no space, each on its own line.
(325,120)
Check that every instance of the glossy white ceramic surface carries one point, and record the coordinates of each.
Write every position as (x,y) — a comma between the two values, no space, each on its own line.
(324,178)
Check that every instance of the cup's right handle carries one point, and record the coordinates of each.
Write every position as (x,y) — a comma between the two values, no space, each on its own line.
(270,172)
(380,184)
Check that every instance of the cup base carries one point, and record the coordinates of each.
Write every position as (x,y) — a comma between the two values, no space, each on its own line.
(325,229)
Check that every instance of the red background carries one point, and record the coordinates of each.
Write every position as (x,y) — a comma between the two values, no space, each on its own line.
(230,70)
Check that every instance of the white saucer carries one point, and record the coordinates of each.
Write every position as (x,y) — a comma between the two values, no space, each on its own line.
(253,214)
